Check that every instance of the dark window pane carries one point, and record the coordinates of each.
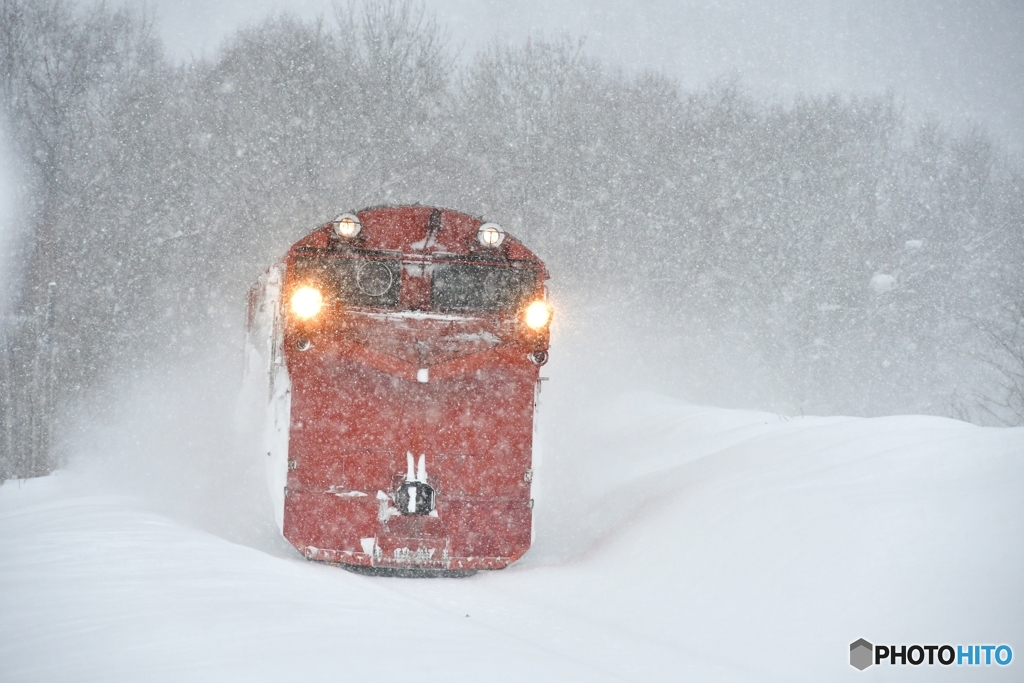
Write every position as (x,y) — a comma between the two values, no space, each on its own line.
(353,282)
(467,287)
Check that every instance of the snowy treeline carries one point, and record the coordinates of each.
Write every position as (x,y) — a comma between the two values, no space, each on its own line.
(826,254)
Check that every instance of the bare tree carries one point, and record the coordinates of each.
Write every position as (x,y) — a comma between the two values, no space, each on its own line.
(1003,403)
(72,85)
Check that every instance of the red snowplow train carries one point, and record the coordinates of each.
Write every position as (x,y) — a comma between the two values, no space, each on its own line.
(400,350)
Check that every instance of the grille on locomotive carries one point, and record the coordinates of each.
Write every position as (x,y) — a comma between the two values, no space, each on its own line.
(400,349)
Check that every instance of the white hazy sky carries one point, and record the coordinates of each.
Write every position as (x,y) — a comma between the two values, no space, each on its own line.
(960,61)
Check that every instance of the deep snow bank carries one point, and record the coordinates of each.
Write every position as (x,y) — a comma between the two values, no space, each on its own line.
(673,542)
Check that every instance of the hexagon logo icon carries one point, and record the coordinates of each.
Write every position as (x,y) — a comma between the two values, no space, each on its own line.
(861,652)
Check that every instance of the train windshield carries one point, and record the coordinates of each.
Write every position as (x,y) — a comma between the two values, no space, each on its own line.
(354,282)
(471,287)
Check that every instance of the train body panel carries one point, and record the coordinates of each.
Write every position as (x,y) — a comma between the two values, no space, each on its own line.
(410,393)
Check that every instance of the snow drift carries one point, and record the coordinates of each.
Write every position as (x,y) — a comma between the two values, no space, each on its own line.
(673,542)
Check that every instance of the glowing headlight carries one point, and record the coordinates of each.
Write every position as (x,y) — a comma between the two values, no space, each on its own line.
(490,235)
(537,315)
(306,302)
(347,226)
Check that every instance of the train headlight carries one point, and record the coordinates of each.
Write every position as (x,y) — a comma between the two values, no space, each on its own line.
(306,302)
(537,315)
(490,235)
(347,226)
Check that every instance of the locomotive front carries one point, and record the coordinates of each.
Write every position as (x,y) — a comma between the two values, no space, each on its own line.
(403,347)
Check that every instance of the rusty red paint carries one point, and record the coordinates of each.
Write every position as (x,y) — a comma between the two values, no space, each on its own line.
(359,405)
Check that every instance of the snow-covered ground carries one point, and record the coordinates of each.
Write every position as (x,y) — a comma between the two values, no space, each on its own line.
(673,542)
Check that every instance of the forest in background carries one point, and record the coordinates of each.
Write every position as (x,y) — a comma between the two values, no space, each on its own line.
(823,255)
